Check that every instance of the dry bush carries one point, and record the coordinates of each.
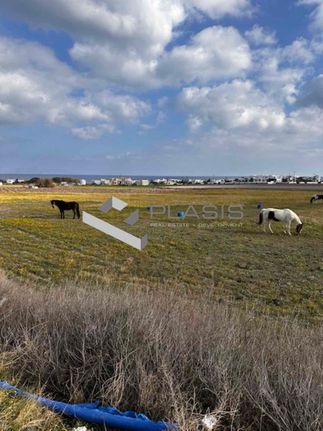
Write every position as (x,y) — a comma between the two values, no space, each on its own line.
(165,355)
(45,182)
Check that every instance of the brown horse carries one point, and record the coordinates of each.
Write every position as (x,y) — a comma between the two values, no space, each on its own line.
(66,206)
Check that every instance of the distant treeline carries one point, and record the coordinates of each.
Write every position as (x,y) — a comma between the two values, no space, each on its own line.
(45,182)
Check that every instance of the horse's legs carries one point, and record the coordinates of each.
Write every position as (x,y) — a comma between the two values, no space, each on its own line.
(288,228)
(269,225)
(74,213)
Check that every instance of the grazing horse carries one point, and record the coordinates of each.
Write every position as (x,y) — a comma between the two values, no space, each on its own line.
(316,198)
(66,206)
(287,216)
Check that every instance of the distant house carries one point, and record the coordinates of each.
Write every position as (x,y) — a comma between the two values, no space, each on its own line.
(142,182)
(260,179)
(127,181)
(116,181)
(10,181)
(106,181)
(82,182)
(160,181)
(278,178)
(1,183)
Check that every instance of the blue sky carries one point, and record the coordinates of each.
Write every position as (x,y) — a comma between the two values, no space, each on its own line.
(161,87)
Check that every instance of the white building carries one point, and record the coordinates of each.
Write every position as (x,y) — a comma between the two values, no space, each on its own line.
(260,179)
(279,178)
(170,182)
(106,181)
(142,182)
(10,181)
(127,181)
(160,181)
(82,182)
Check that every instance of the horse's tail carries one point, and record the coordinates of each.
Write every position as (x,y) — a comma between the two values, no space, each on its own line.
(261,218)
(78,210)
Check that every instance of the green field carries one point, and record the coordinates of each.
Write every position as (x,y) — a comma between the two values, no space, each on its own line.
(227,260)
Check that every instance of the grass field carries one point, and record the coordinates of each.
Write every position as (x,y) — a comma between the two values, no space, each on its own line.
(231,261)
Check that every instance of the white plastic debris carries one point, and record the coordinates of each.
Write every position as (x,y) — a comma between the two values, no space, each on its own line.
(209,422)
(80,429)
(2,301)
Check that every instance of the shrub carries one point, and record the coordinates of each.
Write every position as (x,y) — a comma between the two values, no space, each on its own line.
(165,355)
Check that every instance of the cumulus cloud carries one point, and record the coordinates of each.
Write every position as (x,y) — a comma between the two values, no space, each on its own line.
(34,85)
(238,104)
(148,21)
(300,50)
(144,23)
(259,36)
(238,116)
(216,52)
(281,70)
(125,41)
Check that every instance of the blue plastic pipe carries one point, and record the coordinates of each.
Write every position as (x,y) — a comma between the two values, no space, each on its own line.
(96,414)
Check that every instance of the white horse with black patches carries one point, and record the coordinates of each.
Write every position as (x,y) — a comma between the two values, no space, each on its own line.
(287,216)
(316,198)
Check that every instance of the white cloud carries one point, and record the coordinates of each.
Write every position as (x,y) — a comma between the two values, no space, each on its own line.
(35,85)
(216,52)
(316,14)
(312,93)
(239,118)
(219,8)
(122,41)
(116,65)
(299,51)
(146,23)
(238,104)
(281,70)
(89,132)
(92,132)
(259,36)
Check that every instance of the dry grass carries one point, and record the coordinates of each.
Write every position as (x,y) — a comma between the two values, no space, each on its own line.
(22,415)
(163,354)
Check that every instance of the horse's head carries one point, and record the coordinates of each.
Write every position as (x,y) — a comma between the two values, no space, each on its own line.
(313,198)
(52,203)
(299,227)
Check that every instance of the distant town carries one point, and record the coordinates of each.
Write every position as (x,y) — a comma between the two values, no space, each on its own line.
(38,182)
